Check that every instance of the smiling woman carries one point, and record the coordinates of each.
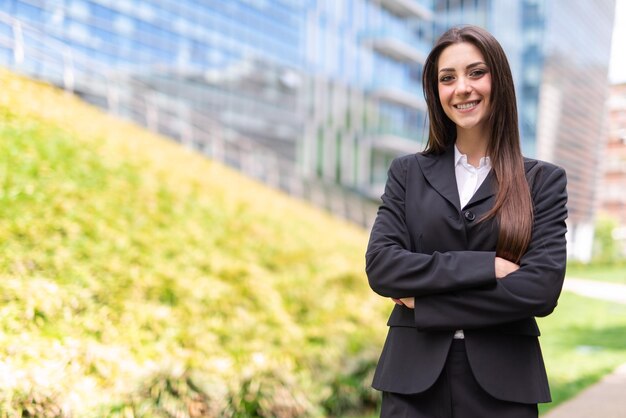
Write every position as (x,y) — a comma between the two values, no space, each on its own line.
(469,243)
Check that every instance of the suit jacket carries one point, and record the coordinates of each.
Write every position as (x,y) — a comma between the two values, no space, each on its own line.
(423,244)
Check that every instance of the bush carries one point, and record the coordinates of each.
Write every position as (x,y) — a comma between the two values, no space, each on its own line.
(140,280)
(606,249)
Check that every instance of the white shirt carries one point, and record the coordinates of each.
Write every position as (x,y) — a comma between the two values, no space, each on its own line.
(468,180)
(468,177)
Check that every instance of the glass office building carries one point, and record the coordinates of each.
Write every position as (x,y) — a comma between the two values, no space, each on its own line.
(573,106)
(192,70)
(314,91)
(365,103)
(317,96)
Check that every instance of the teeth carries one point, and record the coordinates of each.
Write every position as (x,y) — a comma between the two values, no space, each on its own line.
(466,105)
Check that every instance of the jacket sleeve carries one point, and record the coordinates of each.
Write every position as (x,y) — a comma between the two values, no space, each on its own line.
(393,270)
(532,290)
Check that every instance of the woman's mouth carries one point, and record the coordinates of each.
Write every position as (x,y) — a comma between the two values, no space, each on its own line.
(467,105)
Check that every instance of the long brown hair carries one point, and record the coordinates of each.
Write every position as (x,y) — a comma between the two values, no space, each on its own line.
(513,207)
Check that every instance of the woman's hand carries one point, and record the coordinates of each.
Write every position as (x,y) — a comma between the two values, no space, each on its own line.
(408,302)
(504,267)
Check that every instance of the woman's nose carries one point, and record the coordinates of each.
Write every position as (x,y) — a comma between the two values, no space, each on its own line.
(463,86)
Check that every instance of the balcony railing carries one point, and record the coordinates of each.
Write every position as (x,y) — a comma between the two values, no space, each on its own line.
(397,44)
(396,143)
(410,8)
(398,96)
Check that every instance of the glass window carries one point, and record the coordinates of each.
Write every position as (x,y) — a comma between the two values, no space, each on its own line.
(79,9)
(28,11)
(123,25)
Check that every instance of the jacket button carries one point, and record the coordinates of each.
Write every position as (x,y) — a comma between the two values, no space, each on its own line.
(469,215)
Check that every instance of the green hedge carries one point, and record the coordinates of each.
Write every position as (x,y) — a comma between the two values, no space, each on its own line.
(141,280)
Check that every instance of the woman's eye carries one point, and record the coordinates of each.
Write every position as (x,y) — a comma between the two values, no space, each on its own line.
(445,78)
(477,73)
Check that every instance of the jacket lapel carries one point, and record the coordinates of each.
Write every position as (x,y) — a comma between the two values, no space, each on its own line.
(439,173)
(485,190)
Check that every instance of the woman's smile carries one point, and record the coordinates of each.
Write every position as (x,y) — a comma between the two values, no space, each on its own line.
(467,106)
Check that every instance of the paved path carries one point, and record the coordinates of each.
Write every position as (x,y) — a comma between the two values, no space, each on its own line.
(607,398)
(613,292)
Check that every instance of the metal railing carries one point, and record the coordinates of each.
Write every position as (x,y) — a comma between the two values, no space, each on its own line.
(40,56)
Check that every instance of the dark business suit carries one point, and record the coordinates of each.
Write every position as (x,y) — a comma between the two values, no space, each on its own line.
(423,244)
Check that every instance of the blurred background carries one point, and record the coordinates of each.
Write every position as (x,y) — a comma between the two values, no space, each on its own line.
(323,93)
(313,98)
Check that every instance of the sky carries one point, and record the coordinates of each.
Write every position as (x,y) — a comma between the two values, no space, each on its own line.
(617,68)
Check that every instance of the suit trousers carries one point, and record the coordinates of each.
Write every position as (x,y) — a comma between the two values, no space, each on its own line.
(455,394)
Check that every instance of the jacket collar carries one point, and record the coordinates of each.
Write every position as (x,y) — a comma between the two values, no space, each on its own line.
(439,173)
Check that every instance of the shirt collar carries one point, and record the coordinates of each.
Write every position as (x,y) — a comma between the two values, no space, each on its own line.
(461,159)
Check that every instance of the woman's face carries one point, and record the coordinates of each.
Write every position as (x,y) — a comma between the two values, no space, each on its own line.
(464,85)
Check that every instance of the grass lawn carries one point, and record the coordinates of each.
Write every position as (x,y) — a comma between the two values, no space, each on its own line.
(615,273)
(582,341)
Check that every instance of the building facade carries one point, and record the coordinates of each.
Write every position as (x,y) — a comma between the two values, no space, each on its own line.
(613,185)
(572,123)
(318,96)
(364,60)
(314,96)
(229,67)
